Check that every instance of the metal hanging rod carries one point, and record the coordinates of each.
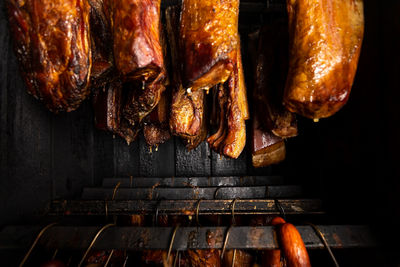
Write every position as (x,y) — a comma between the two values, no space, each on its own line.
(139,238)
(185,207)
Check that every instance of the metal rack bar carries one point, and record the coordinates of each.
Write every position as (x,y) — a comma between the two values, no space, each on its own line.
(139,238)
(195,192)
(194,181)
(185,207)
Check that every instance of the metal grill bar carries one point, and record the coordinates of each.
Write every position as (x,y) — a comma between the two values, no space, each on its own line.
(185,207)
(139,238)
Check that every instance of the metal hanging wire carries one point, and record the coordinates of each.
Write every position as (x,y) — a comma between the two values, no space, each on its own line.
(44,229)
(172,242)
(93,241)
(325,242)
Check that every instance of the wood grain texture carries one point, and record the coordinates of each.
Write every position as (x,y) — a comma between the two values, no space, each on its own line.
(126,158)
(196,162)
(25,184)
(224,166)
(73,151)
(157,163)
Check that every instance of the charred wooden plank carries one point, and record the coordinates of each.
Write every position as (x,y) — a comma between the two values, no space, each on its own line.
(194,193)
(188,207)
(194,181)
(140,238)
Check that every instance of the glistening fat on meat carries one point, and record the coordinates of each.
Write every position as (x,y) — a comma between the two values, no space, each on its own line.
(325,43)
(208,36)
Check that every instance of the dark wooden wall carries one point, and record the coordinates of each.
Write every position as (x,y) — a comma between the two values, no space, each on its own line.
(349,160)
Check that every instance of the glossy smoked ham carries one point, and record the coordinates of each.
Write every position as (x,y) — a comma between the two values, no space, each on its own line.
(208,36)
(52,44)
(325,43)
(136,34)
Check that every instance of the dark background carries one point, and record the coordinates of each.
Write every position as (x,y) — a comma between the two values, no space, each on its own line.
(350,160)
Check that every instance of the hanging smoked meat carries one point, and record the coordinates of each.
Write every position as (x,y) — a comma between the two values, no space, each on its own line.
(156,128)
(208,37)
(188,113)
(230,138)
(270,77)
(52,45)
(103,70)
(108,102)
(141,101)
(325,43)
(136,34)
(267,148)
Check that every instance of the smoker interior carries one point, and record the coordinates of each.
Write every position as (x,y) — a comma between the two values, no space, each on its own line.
(349,161)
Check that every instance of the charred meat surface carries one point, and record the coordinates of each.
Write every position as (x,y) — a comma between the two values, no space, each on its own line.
(52,45)
(142,99)
(136,33)
(325,43)
(103,70)
(270,77)
(208,31)
(108,104)
(156,128)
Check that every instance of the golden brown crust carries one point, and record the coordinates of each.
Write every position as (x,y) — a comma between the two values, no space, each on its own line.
(325,43)
(208,31)
(136,33)
(52,45)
